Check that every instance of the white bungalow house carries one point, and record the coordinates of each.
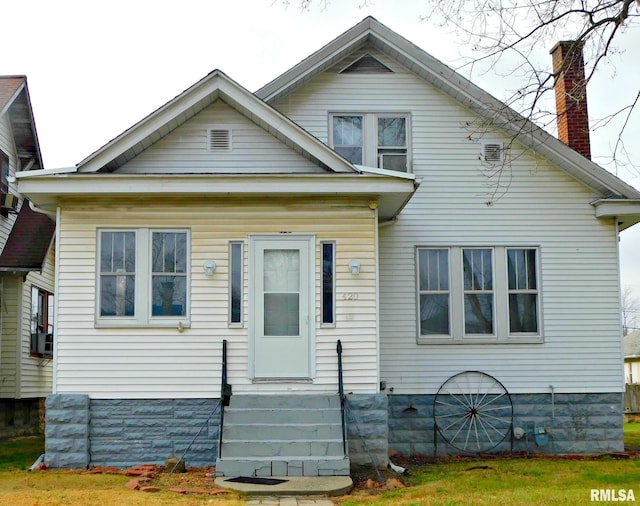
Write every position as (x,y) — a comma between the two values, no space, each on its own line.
(348,205)
(26,272)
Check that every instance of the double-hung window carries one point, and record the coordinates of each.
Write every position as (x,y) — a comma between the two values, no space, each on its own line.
(478,294)
(372,139)
(143,277)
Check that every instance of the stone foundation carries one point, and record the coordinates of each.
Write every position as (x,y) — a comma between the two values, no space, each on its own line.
(126,432)
(20,417)
(574,423)
(367,420)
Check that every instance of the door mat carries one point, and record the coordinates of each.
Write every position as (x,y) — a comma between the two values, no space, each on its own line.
(255,480)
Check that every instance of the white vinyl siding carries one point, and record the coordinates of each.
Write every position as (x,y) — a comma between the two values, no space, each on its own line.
(539,206)
(188,148)
(7,146)
(147,362)
(10,291)
(36,373)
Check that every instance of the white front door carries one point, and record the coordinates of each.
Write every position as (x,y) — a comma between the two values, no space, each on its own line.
(282,306)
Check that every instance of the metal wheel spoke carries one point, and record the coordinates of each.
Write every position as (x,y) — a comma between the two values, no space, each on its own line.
(472,411)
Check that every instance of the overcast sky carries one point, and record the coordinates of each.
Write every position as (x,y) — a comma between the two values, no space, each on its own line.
(96,68)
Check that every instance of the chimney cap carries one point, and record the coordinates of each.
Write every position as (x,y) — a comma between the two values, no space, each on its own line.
(567,44)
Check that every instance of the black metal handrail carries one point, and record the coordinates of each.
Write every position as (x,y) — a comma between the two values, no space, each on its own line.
(342,397)
(225,394)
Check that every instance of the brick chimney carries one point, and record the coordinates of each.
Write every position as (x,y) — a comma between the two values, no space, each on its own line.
(571,96)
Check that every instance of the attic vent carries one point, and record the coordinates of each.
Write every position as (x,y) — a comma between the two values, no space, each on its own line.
(219,139)
(367,65)
(492,152)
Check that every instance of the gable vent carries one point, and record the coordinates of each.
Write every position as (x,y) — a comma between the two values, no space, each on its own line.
(219,139)
(492,152)
(367,65)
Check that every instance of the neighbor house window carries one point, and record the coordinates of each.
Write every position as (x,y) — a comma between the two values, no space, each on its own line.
(41,323)
(523,290)
(328,283)
(478,294)
(236,263)
(143,276)
(477,268)
(374,140)
(433,281)
(4,173)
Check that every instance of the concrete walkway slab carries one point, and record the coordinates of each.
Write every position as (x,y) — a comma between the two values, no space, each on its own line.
(288,501)
(293,486)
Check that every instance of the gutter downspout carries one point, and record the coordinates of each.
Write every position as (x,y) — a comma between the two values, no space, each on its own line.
(37,209)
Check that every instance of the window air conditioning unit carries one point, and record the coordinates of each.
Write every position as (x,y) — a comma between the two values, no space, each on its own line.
(8,202)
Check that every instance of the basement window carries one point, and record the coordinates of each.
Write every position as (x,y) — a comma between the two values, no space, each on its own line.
(219,139)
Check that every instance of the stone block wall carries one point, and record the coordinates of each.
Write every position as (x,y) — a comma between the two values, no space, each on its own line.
(574,423)
(126,432)
(67,431)
(367,428)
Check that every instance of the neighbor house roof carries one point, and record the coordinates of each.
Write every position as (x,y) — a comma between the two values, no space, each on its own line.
(370,31)
(16,102)
(28,242)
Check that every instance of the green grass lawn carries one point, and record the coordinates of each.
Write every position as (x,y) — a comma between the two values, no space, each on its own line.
(20,453)
(632,435)
(500,481)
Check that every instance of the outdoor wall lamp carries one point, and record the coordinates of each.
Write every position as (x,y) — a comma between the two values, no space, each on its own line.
(209,267)
(354,267)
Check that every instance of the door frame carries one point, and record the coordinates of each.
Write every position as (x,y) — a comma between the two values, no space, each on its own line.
(311,280)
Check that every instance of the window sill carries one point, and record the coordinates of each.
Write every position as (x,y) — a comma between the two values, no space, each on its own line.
(448,340)
(45,356)
(175,324)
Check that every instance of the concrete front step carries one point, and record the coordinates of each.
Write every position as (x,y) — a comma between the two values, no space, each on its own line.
(274,466)
(286,401)
(288,431)
(282,435)
(289,449)
(277,416)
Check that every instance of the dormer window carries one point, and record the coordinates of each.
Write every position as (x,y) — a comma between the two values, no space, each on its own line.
(372,139)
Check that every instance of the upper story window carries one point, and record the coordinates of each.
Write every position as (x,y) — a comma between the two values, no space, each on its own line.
(143,277)
(4,167)
(376,140)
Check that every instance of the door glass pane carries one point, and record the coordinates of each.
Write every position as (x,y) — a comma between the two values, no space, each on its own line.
(281,292)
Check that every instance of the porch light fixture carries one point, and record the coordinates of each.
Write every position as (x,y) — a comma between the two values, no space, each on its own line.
(354,267)
(209,267)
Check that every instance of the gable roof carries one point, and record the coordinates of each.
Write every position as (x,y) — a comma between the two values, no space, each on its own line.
(176,112)
(16,102)
(371,31)
(28,242)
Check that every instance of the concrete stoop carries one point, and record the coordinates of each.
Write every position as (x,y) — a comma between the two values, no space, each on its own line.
(282,435)
(293,486)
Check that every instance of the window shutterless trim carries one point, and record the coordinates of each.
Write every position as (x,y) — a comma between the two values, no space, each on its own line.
(142,316)
(420,291)
(236,282)
(537,291)
(328,280)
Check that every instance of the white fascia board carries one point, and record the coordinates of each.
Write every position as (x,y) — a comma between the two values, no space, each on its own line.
(140,184)
(45,172)
(625,211)
(385,172)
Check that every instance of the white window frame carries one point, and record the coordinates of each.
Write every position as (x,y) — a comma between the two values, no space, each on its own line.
(501,325)
(143,312)
(537,292)
(231,323)
(420,292)
(479,291)
(370,147)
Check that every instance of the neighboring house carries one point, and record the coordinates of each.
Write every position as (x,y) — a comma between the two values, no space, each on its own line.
(350,200)
(632,358)
(26,272)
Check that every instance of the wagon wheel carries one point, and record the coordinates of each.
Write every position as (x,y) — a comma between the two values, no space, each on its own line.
(472,411)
